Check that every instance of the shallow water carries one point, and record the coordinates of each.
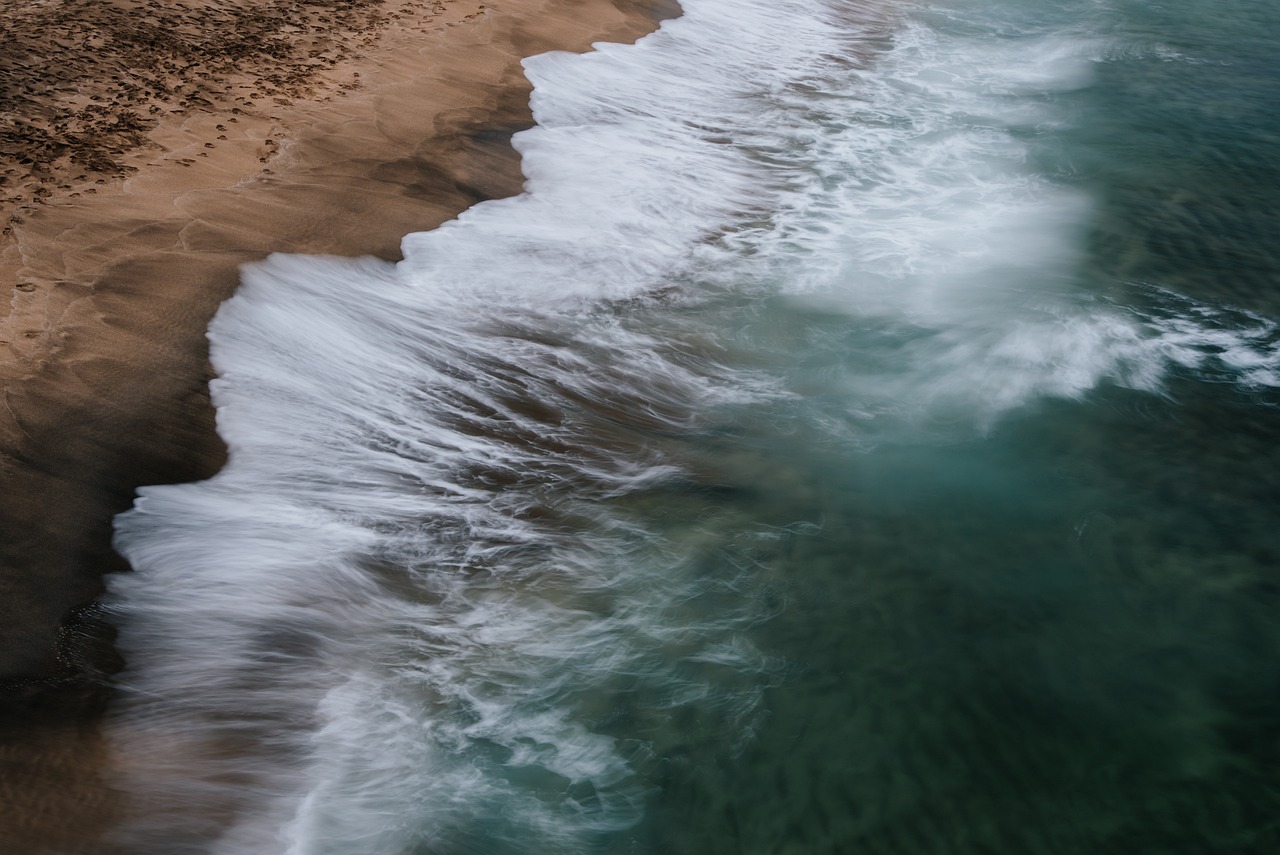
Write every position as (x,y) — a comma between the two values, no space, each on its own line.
(859,437)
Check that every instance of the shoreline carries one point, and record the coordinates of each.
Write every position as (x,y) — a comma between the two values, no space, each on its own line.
(115,273)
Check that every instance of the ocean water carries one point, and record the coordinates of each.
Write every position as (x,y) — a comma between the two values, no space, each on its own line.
(859,437)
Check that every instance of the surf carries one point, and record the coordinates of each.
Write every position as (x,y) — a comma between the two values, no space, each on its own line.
(484,550)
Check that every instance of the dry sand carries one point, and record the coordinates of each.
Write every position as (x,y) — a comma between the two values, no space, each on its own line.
(148,148)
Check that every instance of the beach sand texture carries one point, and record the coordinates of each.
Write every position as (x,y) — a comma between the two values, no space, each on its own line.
(147,149)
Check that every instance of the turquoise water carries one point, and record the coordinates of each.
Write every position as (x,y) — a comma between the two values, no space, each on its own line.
(860,438)
(1061,635)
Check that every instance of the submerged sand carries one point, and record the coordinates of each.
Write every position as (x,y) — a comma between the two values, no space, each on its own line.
(147,149)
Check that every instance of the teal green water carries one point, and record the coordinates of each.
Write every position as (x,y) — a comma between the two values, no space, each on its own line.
(1059,638)
(1058,634)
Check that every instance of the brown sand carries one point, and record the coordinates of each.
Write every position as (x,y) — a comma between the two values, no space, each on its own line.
(148,148)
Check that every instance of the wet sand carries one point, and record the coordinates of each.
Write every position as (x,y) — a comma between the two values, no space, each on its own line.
(147,149)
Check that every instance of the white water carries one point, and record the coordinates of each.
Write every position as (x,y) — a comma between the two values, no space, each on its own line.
(405,612)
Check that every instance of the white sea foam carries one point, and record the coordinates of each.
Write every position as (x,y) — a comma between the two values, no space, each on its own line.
(913,207)
(408,610)
(385,622)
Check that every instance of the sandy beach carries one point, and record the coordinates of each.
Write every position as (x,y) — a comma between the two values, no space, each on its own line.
(147,149)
